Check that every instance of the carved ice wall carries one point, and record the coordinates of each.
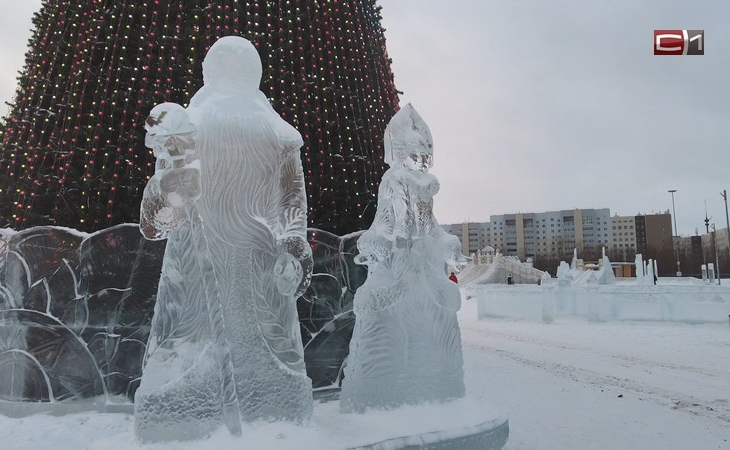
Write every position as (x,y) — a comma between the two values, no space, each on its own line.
(75,311)
(118,298)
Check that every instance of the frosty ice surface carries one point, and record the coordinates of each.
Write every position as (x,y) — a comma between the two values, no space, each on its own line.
(225,342)
(406,346)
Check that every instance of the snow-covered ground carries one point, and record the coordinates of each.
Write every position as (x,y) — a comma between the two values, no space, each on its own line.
(575,384)
(571,384)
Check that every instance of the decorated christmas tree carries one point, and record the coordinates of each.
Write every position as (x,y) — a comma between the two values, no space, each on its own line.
(72,151)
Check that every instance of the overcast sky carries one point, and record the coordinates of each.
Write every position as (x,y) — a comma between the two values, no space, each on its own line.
(544,105)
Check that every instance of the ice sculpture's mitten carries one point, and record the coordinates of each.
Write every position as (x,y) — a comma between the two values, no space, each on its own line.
(288,273)
(180,187)
(293,266)
(157,217)
(165,198)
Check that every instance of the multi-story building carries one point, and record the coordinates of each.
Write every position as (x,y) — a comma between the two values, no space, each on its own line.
(720,240)
(654,240)
(694,251)
(623,244)
(554,234)
(647,234)
(549,234)
(714,250)
(654,232)
(473,235)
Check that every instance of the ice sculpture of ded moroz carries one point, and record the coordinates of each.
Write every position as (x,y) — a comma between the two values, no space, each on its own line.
(406,347)
(228,194)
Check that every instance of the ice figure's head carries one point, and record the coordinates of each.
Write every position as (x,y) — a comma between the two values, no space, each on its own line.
(232,65)
(408,141)
(166,119)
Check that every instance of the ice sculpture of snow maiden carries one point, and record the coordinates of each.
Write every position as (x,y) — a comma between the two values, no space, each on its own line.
(406,347)
(228,194)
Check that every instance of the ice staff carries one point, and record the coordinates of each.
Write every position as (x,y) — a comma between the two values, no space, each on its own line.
(172,138)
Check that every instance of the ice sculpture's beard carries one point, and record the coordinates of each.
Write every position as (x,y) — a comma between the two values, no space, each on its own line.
(239,162)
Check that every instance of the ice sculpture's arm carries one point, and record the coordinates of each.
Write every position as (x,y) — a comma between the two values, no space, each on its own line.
(403,220)
(294,264)
(392,215)
(387,230)
(174,186)
(450,244)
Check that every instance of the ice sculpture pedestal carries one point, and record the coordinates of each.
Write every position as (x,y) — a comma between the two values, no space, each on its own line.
(20,409)
(483,432)
(463,424)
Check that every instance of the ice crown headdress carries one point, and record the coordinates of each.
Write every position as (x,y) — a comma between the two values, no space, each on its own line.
(406,133)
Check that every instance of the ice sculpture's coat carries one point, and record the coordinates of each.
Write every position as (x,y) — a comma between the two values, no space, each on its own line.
(406,346)
(229,195)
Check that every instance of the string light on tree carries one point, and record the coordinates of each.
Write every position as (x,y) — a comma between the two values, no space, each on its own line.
(72,150)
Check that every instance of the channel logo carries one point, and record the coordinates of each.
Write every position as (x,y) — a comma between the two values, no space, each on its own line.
(679,42)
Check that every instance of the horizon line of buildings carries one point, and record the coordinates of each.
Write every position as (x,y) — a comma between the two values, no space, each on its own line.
(552,235)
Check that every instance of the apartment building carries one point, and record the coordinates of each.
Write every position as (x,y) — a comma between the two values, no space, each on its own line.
(623,244)
(551,234)
(713,248)
(554,234)
(694,251)
(526,235)
(473,235)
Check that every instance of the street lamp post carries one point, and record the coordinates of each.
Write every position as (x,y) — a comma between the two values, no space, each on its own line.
(727,219)
(676,233)
(714,246)
(707,230)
